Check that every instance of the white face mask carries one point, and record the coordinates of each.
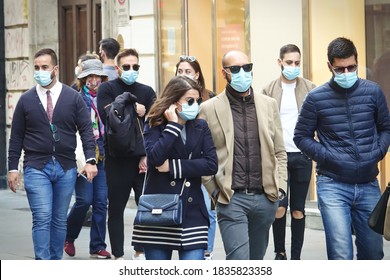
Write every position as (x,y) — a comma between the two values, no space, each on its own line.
(192,77)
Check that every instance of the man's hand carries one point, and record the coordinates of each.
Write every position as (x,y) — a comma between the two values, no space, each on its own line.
(13,180)
(142,165)
(90,170)
(141,110)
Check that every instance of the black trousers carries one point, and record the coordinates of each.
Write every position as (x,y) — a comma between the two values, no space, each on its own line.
(122,176)
(299,169)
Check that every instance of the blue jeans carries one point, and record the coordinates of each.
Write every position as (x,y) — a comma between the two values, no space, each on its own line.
(342,206)
(87,194)
(244,224)
(49,192)
(212,218)
(165,254)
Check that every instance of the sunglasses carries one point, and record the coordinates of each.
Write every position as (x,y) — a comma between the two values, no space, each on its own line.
(187,58)
(191,101)
(235,69)
(53,129)
(127,67)
(341,69)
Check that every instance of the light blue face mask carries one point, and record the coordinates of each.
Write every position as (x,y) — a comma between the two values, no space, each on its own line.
(129,77)
(346,80)
(241,81)
(291,72)
(188,112)
(42,77)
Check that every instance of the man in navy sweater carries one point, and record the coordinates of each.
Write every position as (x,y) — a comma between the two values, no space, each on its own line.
(44,125)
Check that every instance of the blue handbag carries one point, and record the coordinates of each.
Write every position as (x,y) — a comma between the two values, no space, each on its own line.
(159,209)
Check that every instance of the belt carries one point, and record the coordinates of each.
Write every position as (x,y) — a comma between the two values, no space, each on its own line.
(249,192)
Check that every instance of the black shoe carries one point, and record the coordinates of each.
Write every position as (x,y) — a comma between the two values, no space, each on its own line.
(280,256)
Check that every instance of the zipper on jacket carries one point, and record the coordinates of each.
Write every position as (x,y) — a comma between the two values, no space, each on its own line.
(246,141)
(352,134)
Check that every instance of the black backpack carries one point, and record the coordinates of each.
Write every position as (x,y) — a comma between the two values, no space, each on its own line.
(123,129)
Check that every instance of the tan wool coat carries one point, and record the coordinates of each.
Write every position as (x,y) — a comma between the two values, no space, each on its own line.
(217,112)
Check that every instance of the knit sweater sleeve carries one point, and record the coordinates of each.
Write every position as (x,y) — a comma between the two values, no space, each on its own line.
(105,96)
(17,136)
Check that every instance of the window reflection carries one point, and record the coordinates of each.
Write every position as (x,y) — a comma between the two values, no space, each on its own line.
(171,37)
(378,44)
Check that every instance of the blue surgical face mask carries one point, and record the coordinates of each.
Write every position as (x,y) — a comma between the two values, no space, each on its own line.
(346,80)
(188,112)
(291,72)
(129,77)
(43,78)
(241,81)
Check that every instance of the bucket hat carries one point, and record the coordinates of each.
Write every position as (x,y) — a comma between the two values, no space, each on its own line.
(91,67)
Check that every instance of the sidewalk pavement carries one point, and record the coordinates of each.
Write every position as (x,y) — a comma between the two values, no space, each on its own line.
(16,241)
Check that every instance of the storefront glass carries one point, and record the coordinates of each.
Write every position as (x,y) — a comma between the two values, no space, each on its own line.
(378,43)
(171,37)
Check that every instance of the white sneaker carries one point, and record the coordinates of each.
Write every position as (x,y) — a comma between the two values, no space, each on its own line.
(140,257)
(208,256)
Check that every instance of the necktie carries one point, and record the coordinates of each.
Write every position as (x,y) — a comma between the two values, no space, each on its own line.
(49,108)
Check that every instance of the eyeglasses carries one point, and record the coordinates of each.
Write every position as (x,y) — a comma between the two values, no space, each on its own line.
(187,58)
(53,129)
(191,101)
(127,67)
(341,69)
(235,68)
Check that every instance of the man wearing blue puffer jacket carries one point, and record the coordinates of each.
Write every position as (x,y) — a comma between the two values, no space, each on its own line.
(351,120)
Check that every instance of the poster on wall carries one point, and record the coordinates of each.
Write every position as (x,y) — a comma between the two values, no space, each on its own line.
(231,37)
(122,12)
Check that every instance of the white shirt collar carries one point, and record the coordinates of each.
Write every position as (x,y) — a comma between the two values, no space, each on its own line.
(55,90)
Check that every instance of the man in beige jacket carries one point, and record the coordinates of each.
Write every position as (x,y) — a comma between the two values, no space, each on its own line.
(289,90)
(252,161)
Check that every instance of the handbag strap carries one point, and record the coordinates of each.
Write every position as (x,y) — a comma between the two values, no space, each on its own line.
(182,187)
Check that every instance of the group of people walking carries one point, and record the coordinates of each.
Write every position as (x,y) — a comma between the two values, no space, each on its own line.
(240,158)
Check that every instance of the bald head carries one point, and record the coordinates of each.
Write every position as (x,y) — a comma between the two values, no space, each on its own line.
(234,58)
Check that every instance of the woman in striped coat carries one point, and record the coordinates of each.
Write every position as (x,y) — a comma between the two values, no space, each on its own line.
(179,151)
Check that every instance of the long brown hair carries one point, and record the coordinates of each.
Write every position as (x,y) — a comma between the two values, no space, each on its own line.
(191,60)
(174,90)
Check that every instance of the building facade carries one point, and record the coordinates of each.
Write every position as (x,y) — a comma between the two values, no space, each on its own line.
(162,30)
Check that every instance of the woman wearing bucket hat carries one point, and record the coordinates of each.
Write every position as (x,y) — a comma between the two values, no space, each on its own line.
(90,193)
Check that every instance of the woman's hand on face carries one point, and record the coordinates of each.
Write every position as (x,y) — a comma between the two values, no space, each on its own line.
(170,113)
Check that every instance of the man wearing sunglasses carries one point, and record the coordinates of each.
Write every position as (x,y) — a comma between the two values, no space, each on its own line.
(350,117)
(125,172)
(252,160)
(289,90)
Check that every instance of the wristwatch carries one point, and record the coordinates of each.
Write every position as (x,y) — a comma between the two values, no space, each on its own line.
(91,161)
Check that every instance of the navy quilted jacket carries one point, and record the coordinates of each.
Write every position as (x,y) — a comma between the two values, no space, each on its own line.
(353,130)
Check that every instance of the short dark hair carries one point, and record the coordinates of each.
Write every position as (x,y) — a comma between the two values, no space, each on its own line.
(124,53)
(50,52)
(110,46)
(288,49)
(341,48)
